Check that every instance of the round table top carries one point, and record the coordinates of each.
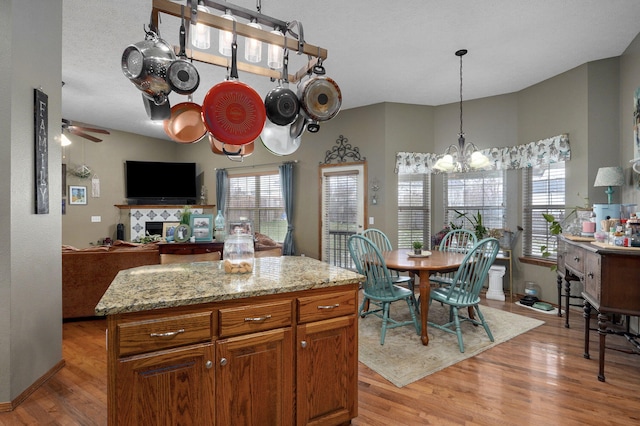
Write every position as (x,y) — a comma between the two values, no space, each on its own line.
(436,261)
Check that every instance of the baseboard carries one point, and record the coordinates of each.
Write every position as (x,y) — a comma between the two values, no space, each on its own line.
(10,406)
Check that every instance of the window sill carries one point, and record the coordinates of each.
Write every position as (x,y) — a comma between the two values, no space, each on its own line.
(537,261)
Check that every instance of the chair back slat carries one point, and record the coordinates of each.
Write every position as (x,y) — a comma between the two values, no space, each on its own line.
(378,238)
(370,263)
(458,241)
(470,276)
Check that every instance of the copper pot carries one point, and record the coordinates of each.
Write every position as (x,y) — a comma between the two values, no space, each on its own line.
(234,151)
(185,124)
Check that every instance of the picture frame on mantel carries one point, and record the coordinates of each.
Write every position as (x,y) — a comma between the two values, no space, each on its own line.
(77,194)
(202,227)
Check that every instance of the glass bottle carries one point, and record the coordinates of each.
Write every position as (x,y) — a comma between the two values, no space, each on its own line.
(220,226)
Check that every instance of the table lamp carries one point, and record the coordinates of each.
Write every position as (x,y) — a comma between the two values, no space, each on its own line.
(609,177)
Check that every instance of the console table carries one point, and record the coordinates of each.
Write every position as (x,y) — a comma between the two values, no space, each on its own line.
(611,279)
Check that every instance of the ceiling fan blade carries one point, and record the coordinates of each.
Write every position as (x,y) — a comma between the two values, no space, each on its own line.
(92,130)
(84,135)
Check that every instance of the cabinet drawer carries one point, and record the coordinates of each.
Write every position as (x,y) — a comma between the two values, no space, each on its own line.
(592,276)
(574,260)
(154,334)
(251,318)
(316,308)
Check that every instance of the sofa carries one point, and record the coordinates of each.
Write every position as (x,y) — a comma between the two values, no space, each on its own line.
(87,273)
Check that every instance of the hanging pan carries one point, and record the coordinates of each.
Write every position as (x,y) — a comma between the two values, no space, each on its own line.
(232,111)
(218,147)
(156,112)
(281,104)
(278,139)
(182,75)
(320,98)
(185,124)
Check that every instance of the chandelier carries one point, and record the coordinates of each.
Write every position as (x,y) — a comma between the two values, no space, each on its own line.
(464,156)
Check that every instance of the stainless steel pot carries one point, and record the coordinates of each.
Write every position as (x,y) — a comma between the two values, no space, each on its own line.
(320,98)
(182,75)
(146,63)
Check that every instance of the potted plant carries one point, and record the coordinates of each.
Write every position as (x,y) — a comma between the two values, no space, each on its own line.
(417,247)
(476,223)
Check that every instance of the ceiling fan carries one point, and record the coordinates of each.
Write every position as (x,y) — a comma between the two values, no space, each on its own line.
(82,131)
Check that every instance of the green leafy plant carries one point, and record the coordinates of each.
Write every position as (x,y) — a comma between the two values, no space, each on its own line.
(417,245)
(476,223)
(185,217)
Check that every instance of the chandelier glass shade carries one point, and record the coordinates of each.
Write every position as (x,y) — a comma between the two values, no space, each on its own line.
(464,156)
(225,38)
(253,47)
(200,33)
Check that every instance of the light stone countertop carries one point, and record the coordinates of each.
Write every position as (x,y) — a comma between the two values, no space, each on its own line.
(162,286)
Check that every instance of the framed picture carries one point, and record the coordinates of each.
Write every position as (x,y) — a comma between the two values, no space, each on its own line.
(77,194)
(182,233)
(169,230)
(241,226)
(202,227)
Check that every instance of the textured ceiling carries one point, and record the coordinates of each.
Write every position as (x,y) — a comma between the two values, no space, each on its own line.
(379,51)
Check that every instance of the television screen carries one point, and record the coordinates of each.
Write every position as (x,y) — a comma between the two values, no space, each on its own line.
(160,182)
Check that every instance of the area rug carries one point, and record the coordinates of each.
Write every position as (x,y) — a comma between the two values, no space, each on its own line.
(403,359)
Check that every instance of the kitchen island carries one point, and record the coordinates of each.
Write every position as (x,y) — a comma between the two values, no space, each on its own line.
(189,344)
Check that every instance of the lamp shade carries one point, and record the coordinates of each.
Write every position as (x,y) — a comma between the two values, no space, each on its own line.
(609,176)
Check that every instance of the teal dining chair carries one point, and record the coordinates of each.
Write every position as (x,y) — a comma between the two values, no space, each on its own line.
(381,241)
(457,241)
(464,289)
(379,288)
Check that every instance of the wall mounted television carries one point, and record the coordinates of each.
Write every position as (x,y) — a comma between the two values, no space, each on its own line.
(155,182)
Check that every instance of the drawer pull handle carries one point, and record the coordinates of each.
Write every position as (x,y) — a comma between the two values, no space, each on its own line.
(167,334)
(223,361)
(577,259)
(303,344)
(590,274)
(329,306)
(257,319)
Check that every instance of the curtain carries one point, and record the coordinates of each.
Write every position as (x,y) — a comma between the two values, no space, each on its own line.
(532,154)
(222,184)
(286,184)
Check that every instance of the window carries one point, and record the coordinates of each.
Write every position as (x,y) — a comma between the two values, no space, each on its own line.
(543,192)
(474,192)
(414,209)
(258,197)
(342,207)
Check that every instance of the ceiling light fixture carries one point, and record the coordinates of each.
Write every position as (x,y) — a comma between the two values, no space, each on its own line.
(225,38)
(253,47)
(465,155)
(64,140)
(276,53)
(200,33)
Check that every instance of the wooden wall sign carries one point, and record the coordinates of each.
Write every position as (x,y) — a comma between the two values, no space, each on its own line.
(41,132)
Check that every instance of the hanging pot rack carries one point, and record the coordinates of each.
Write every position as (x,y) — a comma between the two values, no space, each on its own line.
(315,54)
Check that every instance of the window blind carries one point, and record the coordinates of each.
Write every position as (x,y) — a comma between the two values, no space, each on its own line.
(473,192)
(258,197)
(339,215)
(414,209)
(543,192)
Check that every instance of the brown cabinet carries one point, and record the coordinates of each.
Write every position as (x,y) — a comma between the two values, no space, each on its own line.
(254,384)
(172,387)
(268,360)
(190,248)
(611,279)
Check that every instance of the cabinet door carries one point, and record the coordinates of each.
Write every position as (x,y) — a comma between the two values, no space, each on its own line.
(173,387)
(254,384)
(327,372)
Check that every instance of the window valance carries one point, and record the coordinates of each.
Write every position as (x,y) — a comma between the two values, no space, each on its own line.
(546,151)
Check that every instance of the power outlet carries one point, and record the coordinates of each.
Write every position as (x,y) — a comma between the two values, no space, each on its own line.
(96,218)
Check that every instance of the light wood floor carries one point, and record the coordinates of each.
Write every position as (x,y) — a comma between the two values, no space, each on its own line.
(537,378)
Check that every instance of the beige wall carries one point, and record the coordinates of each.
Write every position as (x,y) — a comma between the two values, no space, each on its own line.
(30,284)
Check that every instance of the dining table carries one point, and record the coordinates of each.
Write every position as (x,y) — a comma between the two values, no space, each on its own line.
(404,260)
